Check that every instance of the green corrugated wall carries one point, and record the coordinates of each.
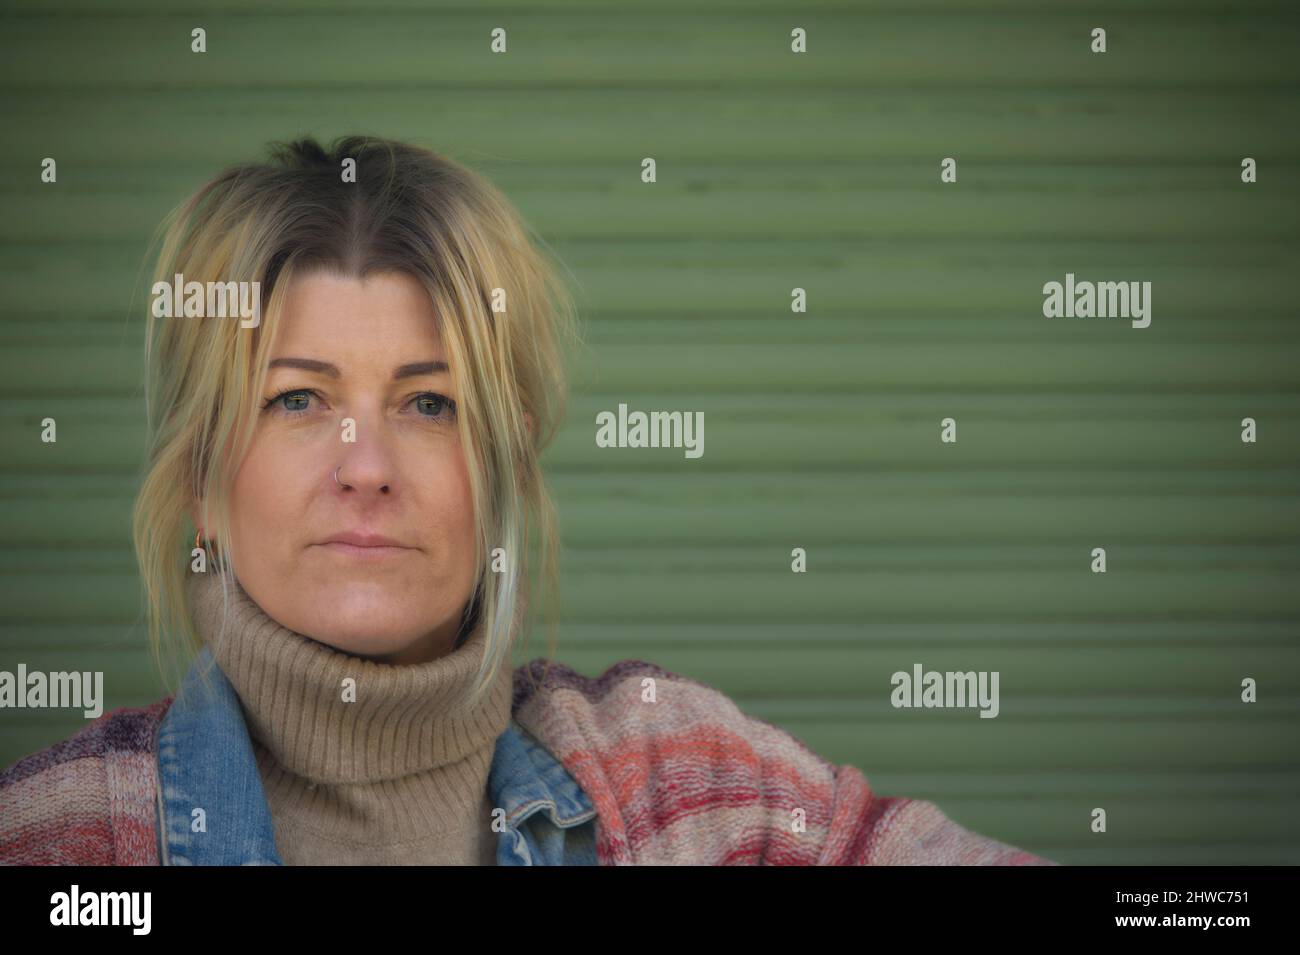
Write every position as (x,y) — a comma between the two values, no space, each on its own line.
(819,171)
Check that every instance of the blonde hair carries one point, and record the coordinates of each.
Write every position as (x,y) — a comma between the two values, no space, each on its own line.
(409,210)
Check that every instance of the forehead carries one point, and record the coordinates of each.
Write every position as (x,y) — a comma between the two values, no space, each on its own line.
(386,314)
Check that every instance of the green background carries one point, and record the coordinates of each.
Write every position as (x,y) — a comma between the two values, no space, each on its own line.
(819,171)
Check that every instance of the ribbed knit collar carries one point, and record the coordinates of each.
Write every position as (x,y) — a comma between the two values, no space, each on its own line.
(406,719)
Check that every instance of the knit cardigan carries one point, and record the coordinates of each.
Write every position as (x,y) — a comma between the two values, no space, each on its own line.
(685,780)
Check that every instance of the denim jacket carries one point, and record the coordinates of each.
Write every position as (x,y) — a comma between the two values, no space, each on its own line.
(205,758)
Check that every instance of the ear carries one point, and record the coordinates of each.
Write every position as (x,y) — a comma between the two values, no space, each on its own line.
(195,508)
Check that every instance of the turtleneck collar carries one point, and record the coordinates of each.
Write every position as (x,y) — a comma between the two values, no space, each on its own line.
(406,719)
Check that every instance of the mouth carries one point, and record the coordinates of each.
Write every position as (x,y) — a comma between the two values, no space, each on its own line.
(363,546)
(365,551)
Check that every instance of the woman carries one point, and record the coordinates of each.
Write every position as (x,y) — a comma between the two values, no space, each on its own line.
(356,457)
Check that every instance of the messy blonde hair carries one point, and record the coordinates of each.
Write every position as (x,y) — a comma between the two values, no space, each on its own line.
(409,210)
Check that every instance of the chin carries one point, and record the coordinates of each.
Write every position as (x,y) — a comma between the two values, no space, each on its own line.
(358,628)
(376,617)
(364,644)
(359,618)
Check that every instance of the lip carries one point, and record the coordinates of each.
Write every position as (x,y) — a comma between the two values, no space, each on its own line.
(363,539)
(365,546)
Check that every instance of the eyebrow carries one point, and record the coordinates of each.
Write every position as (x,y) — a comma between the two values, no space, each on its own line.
(325,368)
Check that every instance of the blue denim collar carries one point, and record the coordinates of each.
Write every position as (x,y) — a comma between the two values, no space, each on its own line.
(212,809)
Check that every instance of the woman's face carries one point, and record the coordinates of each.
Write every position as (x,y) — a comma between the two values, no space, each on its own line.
(368,351)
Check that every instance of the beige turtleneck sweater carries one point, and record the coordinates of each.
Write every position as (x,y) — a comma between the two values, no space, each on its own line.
(398,777)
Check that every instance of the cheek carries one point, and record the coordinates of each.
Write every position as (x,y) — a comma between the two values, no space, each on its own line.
(464,497)
(262,496)
(451,501)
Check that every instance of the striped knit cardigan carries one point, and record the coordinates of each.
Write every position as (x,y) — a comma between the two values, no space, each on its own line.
(687,779)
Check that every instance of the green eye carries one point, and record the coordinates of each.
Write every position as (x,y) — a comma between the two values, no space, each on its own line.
(432,405)
(291,401)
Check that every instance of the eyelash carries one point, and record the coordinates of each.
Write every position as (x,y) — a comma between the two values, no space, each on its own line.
(449,404)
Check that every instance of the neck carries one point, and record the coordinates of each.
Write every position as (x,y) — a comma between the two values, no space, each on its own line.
(361,762)
(333,717)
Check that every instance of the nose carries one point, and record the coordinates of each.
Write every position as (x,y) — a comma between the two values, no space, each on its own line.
(366,466)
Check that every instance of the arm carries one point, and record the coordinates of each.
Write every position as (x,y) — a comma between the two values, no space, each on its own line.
(867,829)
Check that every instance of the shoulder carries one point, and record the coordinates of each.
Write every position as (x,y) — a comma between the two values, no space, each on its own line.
(635,707)
(679,774)
(88,799)
(626,689)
